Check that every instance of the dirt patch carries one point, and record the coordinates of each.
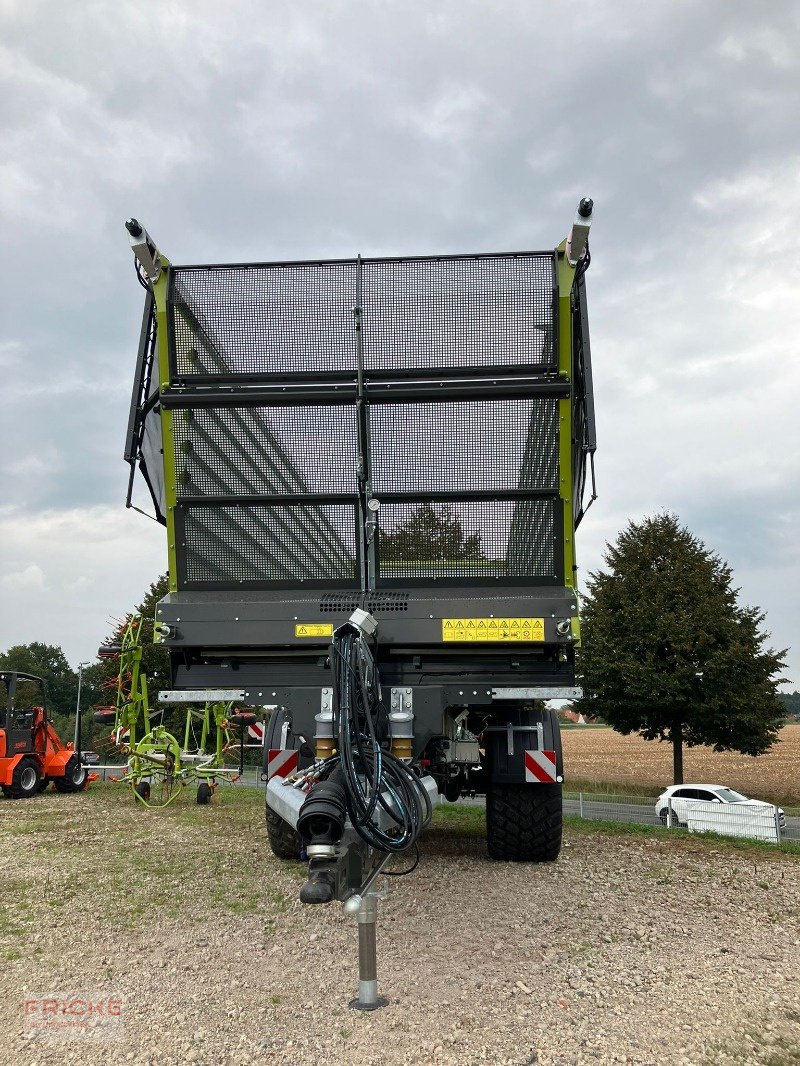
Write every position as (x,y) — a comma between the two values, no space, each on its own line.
(628,949)
(601,755)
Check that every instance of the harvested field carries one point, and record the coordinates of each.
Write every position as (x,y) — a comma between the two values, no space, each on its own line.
(640,948)
(602,756)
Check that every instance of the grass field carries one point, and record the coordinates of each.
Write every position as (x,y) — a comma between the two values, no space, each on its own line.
(597,760)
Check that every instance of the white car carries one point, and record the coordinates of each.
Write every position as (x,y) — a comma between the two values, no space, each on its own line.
(683,796)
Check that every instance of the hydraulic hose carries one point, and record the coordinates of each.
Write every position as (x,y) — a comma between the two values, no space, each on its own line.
(369,773)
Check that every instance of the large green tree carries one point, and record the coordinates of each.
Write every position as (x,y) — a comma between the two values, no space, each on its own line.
(669,653)
(431,534)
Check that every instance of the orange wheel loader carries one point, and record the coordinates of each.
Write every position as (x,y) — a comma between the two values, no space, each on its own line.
(31,752)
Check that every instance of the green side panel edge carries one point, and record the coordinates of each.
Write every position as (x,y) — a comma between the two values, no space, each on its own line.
(160,289)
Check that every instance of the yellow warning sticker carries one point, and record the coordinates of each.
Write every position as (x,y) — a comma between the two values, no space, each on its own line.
(491,629)
(313,629)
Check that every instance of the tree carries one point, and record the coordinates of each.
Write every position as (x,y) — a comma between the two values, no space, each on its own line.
(48,662)
(669,653)
(430,534)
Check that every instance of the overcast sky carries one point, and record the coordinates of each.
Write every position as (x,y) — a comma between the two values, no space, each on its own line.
(257,131)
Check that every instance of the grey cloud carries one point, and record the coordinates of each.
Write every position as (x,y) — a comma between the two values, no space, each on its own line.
(258,131)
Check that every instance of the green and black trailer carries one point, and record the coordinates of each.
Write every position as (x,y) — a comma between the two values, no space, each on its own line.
(398,449)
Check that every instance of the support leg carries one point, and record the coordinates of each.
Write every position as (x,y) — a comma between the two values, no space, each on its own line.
(366,916)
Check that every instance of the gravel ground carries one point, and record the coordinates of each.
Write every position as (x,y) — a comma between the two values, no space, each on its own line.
(629,949)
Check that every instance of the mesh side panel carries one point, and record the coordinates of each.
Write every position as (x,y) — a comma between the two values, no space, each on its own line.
(261,451)
(494,311)
(479,540)
(232,544)
(263,319)
(473,446)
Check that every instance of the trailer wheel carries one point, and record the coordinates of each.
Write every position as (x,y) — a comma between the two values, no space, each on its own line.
(142,790)
(25,779)
(44,783)
(284,841)
(523,822)
(204,793)
(75,779)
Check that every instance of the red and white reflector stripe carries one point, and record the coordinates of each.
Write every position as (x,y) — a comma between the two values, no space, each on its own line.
(281,762)
(256,732)
(540,766)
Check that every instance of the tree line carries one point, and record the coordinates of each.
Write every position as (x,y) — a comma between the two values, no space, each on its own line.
(667,650)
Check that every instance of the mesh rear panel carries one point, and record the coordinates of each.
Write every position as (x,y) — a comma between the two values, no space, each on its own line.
(262,451)
(485,312)
(263,319)
(470,446)
(477,540)
(234,544)
(494,311)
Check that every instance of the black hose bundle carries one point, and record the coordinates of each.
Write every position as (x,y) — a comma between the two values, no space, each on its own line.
(370,774)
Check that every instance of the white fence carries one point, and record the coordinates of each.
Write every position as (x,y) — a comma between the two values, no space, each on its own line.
(765,823)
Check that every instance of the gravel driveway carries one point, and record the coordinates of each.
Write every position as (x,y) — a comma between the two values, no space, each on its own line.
(628,949)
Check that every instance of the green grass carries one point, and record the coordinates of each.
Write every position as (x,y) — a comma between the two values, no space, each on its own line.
(182,860)
(583,827)
(461,822)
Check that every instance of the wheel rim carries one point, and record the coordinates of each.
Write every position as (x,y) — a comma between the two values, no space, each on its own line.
(78,775)
(27,779)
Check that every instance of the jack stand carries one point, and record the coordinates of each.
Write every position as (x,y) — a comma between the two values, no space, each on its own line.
(365,909)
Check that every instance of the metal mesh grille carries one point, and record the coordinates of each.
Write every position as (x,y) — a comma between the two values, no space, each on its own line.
(263,451)
(420,313)
(481,312)
(477,540)
(236,544)
(263,319)
(471,446)
(374,602)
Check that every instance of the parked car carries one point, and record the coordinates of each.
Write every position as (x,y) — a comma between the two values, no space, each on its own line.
(683,796)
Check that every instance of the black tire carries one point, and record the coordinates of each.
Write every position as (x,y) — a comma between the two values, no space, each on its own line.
(284,841)
(523,822)
(44,783)
(142,790)
(204,793)
(75,779)
(25,779)
(669,823)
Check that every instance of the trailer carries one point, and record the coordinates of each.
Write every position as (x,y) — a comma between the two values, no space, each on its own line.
(371,471)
